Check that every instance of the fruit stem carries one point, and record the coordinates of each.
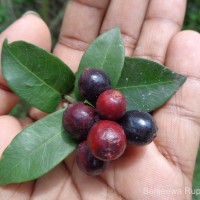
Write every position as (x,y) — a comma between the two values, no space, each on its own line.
(69,99)
(65,105)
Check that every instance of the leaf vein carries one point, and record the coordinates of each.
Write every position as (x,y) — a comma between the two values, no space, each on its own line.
(29,155)
(38,78)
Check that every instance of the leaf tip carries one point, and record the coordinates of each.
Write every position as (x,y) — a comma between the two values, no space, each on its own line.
(182,78)
(5,45)
(115,30)
(5,42)
(118,28)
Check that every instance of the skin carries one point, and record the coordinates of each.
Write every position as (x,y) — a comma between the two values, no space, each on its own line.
(151,29)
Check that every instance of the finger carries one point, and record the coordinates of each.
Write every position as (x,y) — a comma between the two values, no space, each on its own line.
(36,114)
(25,121)
(129,15)
(29,28)
(53,183)
(10,127)
(179,119)
(20,191)
(163,20)
(80,27)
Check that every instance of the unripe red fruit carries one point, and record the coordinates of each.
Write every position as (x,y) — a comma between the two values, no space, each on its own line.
(78,118)
(106,140)
(87,162)
(111,104)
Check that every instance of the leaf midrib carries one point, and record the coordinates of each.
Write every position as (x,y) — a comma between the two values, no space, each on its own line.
(136,86)
(37,77)
(106,52)
(36,149)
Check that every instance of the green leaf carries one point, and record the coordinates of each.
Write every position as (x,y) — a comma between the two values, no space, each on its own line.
(107,53)
(36,150)
(36,75)
(146,84)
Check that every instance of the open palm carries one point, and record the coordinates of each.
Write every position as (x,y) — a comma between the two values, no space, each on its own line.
(150,29)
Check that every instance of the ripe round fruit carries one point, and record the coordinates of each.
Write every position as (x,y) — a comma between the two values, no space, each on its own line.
(87,162)
(78,118)
(92,83)
(139,127)
(111,104)
(106,140)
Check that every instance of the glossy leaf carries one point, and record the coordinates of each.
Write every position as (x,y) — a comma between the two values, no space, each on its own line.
(107,53)
(36,150)
(146,84)
(35,75)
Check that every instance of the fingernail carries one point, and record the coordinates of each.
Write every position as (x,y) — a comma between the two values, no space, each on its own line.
(31,12)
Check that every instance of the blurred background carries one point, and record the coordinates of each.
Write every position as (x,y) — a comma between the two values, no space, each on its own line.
(52,12)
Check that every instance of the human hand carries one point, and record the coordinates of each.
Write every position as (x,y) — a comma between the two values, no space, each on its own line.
(150,29)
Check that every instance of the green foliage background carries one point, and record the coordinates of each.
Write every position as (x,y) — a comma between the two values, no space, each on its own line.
(192,18)
(52,12)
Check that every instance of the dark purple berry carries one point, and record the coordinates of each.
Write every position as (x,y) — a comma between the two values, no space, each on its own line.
(87,162)
(78,118)
(139,127)
(111,104)
(92,83)
(106,140)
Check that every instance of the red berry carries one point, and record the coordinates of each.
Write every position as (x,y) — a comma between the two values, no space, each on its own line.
(87,162)
(111,104)
(78,118)
(106,140)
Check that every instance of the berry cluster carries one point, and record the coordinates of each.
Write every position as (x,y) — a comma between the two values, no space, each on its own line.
(104,131)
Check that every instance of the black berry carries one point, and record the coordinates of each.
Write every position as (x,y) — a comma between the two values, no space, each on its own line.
(111,104)
(139,127)
(106,140)
(78,118)
(92,83)
(87,162)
